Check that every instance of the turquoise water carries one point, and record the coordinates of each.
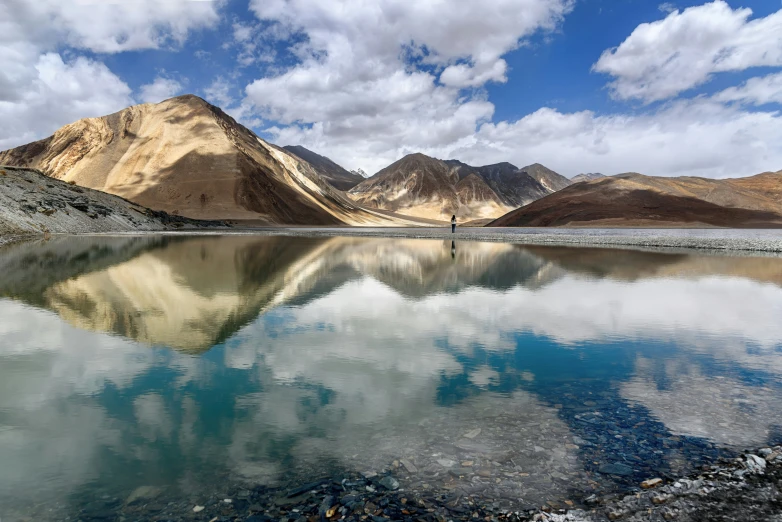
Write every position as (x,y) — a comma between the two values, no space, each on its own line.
(520,373)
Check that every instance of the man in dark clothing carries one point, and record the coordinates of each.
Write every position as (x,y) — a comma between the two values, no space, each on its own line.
(453,224)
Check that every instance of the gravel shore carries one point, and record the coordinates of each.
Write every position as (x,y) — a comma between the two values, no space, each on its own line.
(766,240)
(743,488)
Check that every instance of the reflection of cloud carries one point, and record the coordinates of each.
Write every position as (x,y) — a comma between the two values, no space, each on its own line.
(720,409)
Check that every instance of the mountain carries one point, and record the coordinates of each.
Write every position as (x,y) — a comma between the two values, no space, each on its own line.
(338,177)
(515,187)
(636,200)
(549,179)
(589,176)
(360,173)
(32,203)
(187,157)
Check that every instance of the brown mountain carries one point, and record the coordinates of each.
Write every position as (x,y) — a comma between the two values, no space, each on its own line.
(549,179)
(637,200)
(338,177)
(189,158)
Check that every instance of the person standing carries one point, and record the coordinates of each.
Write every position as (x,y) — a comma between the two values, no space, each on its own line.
(453,223)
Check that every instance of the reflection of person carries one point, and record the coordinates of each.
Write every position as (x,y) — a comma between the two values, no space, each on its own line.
(453,249)
(453,224)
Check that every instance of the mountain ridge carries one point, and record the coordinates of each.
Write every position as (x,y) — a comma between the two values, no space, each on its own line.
(187,157)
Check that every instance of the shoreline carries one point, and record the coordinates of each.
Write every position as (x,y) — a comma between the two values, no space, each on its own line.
(719,241)
(746,487)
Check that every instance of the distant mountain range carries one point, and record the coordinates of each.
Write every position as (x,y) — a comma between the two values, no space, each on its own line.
(188,158)
(636,200)
(338,177)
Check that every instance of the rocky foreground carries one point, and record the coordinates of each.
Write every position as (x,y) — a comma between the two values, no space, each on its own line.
(743,488)
(34,204)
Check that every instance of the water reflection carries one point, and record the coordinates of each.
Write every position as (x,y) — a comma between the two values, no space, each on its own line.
(294,354)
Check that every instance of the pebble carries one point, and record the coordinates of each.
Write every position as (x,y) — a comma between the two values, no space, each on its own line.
(651,483)
(473,433)
(198,509)
(446,463)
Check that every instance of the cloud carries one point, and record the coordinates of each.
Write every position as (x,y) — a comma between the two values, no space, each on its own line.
(664,58)
(219,92)
(666,7)
(699,138)
(391,70)
(160,89)
(110,27)
(57,92)
(45,84)
(756,91)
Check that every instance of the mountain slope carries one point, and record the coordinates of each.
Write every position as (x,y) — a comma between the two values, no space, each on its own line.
(637,200)
(187,157)
(416,185)
(515,187)
(32,203)
(548,179)
(338,177)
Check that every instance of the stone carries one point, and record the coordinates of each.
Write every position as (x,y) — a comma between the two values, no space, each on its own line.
(198,509)
(472,433)
(660,499)
(409,466)
(616,469)
(467,463)
(756,464)
(651,483)
(390,483)
(369,474)
(446,463)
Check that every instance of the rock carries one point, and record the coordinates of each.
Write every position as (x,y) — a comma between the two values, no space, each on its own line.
(472,434)
(765,452)
(228,501)
(409,466)
(467,463)
(616,469)
(446,463)
(369,474)
(198,509)
(756,464)
(651,483)
(390,483)
(614,514)
(661,498)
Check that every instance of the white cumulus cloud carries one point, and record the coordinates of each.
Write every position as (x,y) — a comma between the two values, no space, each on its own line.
(756,91)
(664,58)
(160,89)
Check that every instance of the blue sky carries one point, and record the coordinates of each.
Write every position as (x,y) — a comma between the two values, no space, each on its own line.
(681,88)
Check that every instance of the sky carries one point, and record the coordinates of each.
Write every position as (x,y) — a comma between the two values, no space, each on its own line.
(610,86)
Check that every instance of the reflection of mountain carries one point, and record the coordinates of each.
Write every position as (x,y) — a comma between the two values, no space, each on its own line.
(632,265)
(191,293)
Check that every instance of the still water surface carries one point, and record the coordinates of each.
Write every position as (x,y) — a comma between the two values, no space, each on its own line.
(519,373)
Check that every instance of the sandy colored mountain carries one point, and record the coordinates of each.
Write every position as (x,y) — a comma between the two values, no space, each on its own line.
(425,187)
(339,177)
(637,200)
(187,157)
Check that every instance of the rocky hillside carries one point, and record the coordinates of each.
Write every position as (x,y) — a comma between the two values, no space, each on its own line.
(32,203)
(338,177)
(636,200)
(187,157)
(549,180)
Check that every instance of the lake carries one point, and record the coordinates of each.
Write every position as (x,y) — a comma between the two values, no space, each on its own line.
(523,375)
